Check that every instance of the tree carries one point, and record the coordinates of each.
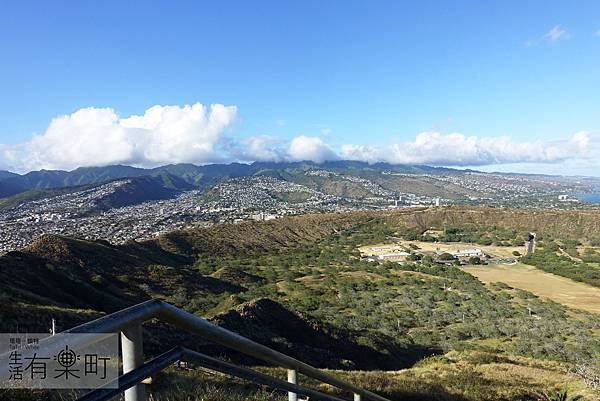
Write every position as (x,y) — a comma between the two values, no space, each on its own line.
(427,259)
(474,260)
(485,241)
(446,256)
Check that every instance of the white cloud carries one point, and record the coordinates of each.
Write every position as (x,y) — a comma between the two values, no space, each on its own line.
(98,136)
(432,148)
(195,134)
(460,150)
(310,148)
(5,153)
(271,149)
(557,34)
(261,148)
(553,36)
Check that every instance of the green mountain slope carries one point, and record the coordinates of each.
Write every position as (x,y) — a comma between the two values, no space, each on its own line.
(6,174)
(273,280)
(134,190)
(198,176)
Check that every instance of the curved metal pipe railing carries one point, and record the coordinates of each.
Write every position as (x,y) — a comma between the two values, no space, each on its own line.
(183,354)
(127,320)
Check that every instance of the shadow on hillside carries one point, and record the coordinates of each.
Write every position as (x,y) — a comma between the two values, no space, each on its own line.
(321,350)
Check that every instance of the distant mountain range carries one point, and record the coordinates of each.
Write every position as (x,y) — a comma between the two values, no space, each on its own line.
(7,174)
(182,176)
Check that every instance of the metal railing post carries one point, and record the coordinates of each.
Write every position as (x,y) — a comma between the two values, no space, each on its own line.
(133,357)
(292,378)
(128,322)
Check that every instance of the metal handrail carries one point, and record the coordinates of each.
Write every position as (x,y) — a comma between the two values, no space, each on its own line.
(128,321)
(183,354)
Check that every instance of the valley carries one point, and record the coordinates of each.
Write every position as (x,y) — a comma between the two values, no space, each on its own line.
(299,201)
(298,284)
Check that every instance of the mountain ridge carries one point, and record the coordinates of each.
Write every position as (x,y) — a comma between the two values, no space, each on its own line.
(7,174)
(200,177)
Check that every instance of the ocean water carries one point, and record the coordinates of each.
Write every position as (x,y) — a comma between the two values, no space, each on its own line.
(594,198)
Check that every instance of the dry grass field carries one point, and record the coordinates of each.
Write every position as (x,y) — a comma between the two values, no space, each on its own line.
(559,289)
(455,376)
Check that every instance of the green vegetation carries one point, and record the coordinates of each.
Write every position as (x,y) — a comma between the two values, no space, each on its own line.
(474,260)
(470,234)
(426,304)
(457,376)
(549,258)
(562,395)
(461,340)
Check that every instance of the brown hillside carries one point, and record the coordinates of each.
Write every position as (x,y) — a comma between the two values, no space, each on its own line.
(254,237)
(584,223)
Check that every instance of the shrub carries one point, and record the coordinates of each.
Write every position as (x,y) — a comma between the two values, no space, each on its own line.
(97,279)
(446,256)
(475,260)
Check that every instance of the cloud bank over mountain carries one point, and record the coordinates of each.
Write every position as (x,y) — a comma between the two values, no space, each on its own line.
(197,134)
(460,150)
(98,136)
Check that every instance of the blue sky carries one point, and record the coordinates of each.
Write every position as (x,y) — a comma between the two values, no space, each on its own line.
(370,74)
